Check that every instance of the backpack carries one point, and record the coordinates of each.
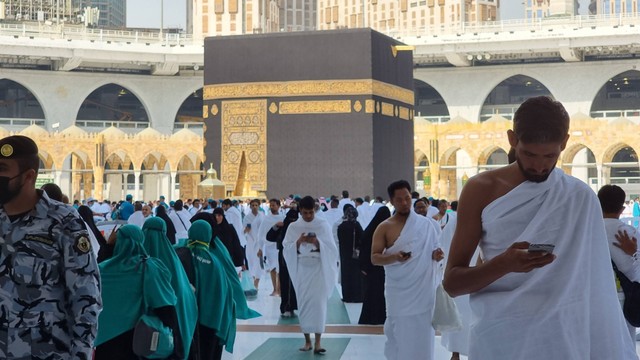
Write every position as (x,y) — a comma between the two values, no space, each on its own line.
(631,289)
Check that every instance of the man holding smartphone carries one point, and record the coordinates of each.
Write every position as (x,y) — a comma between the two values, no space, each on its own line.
(536,304)
(407,245)
(311,257)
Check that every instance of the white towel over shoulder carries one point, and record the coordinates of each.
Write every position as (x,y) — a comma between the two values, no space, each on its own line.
(565,310)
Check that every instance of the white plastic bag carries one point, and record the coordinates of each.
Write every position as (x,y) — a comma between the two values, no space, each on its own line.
(445,315)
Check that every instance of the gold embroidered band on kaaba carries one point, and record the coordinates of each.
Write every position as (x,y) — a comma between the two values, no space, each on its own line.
(309,88)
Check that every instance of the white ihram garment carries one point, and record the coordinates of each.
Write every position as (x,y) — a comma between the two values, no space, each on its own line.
(269,249)
(253,243)
(313,274)
(410,291)
(566,310)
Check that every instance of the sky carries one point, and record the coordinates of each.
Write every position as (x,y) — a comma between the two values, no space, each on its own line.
(146,13)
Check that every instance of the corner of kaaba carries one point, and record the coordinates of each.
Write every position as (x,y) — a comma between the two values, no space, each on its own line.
(309,112)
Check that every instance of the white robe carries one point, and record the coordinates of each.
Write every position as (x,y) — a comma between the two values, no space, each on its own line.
(410,291)
(457,341)
(234,217)
(269,249)
(566,310)
(137,219)
(181,221)
(313,274)
(253,243)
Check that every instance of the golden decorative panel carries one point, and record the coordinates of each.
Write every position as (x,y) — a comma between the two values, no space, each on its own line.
(244,133)
(273,108)
(387,109)
(205,111)
(369,106)
(315,107)
(309,88)
(357,106)
(214,110)
(404,113)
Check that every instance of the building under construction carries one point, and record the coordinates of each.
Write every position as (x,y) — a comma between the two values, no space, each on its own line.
(94,13)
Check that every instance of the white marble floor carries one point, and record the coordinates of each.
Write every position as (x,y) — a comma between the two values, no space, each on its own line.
(366,347)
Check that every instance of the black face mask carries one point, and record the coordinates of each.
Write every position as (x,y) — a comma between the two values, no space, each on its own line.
(7,194)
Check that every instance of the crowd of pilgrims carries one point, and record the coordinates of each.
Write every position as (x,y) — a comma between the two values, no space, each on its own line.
(195,253)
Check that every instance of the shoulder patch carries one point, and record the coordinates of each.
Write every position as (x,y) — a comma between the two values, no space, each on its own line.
(39,238)
(82,244)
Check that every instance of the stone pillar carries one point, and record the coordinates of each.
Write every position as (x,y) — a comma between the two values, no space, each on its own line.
(172,186)
(136,190)
(98,174)
(435,179)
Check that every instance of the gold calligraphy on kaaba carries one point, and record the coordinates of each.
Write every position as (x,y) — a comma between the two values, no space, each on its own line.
(315,107)
(309,88)
(244,144)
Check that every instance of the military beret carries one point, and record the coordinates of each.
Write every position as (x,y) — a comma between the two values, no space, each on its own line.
(17,146)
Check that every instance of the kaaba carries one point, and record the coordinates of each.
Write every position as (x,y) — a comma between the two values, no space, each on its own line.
(309,112)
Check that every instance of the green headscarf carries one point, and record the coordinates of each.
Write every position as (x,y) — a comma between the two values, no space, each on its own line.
(158,246)
(122,285)
(213,292)
(242,309)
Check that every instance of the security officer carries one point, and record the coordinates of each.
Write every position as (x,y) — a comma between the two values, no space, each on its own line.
(49,280)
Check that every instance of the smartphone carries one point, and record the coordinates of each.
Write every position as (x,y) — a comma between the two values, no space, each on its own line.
(548,248)
(406,253)
(248,226)
(311,234)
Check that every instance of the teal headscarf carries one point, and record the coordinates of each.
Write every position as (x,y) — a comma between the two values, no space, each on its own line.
(213,292)
(242,309)
(158,246)
(122,285)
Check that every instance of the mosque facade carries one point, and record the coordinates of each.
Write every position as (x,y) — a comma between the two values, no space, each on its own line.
(115,123)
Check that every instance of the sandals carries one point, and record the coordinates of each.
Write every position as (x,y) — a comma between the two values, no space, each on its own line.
(320,351)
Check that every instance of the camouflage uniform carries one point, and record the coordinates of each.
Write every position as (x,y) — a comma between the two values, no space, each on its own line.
(49,285)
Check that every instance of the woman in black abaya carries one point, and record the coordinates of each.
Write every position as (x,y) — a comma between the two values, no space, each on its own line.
(374,310)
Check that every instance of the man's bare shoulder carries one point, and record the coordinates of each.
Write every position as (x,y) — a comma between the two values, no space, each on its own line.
(489,185)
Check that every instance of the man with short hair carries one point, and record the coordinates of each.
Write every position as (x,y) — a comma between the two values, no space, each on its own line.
(269,249)
(531,304)
(195,208)
(252,222)
(49,283)
(420,207)
(407,245)
(345,200)
(234,217)
(126,208)
(622,238)
(140,215)
(311,257)
(442,217)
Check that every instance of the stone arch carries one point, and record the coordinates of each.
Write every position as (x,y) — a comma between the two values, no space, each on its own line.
(189,175)
(190,110)
(113,102)
(456,167)
(505,97)
(422,171)
(429,103)
(492,157)
(18,101)
(618,97)
(78,169)
(579,161)
(623,164)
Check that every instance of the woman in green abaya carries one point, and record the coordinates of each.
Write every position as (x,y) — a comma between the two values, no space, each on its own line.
(123,288)
(158,245)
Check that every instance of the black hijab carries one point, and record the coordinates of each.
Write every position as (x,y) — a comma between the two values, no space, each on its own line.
(382,214)
(87,215)
(161,212)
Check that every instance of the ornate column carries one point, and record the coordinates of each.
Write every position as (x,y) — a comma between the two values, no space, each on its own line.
(136,192)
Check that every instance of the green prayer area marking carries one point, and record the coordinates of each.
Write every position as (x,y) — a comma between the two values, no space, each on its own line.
(288,348)
(336,312)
